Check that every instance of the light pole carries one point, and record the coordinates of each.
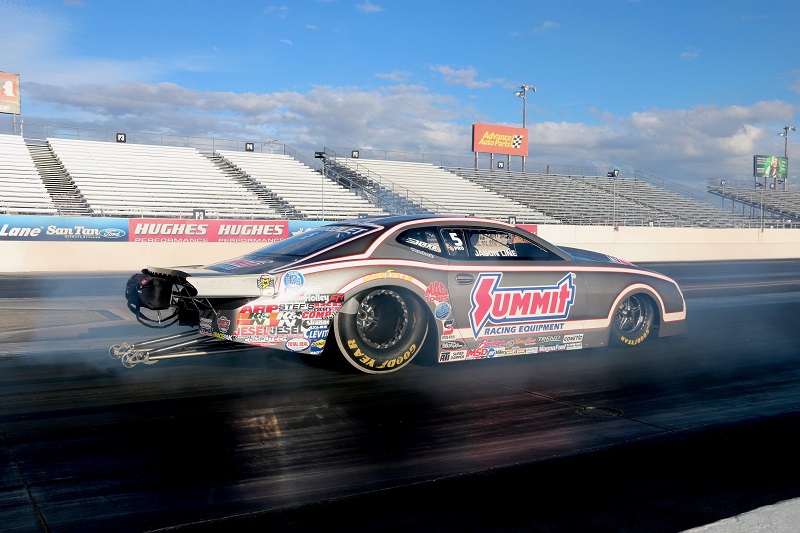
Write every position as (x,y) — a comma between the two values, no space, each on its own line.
(613,175)
(523,91)
(785,135)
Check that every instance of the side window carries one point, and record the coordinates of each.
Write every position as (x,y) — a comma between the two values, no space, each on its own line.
(422,239)
(454,242)
(504,245)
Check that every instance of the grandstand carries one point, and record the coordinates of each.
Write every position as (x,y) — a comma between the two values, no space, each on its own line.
(312,195)
(67,174)
(773,204)
(614,200)
(437,190)
(24,192)
(135,180)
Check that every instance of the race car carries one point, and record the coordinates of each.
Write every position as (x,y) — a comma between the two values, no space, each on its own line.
(379,291)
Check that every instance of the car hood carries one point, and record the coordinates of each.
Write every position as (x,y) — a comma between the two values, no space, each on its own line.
(588,255)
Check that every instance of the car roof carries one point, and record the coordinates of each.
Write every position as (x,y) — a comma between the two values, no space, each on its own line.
(390,221)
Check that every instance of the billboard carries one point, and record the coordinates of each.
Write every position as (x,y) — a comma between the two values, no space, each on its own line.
(10,101)
(495,139)
(191,230)
(83,229)
(770,166)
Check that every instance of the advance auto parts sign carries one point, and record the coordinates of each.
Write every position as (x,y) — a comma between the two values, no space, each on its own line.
(32,228)
(493,139)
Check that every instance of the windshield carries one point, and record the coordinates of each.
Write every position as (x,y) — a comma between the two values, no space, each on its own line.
(311,241)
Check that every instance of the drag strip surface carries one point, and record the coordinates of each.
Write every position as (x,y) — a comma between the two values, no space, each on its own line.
(678,433)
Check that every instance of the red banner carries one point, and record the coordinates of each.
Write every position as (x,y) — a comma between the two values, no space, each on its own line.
(493,139)
(190,230)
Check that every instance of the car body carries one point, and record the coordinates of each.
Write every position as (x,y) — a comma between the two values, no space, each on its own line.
(375,290)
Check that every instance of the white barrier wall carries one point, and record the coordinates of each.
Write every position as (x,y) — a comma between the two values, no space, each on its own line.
(637,244)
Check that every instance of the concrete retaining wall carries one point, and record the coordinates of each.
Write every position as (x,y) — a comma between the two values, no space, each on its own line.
(637,244)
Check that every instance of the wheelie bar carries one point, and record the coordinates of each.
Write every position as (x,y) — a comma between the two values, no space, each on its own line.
(172,346)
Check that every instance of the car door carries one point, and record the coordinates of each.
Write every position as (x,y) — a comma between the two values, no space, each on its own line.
(511,295)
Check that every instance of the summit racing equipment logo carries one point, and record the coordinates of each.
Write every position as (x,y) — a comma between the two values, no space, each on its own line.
(507,305)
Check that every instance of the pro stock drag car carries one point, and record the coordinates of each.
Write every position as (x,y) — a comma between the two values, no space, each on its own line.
(374,290)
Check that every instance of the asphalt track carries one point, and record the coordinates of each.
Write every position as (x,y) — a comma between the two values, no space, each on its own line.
(681,432)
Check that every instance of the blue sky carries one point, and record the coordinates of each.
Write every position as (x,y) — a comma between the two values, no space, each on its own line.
(683,89)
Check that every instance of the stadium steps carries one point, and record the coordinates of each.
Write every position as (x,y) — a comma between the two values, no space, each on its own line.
(266,196)
(373,190)
(63,191)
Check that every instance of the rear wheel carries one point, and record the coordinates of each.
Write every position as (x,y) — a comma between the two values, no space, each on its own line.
(381,330)
(632,320)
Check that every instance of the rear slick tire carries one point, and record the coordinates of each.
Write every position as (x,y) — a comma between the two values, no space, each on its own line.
(632,320)
(381,330)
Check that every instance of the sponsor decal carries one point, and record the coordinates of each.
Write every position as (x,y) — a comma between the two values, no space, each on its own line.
(452,345)
(112,233)
(478,353)
(447,326)
(437,292)
(550,339)
(576,337)
(293,279)
(443,310)
(422,252)
(491,331)
(389,274)
(574,345)
(494,304)
(422,244)
(457,355)
(316,334)
(266,285)
(297,344)
(552,348)
(317,347)
(223,323)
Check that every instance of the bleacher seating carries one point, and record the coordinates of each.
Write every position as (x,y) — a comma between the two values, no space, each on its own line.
(781,204)
(620,201)
(119,179)
(305,189)
(443,192)
(23,189)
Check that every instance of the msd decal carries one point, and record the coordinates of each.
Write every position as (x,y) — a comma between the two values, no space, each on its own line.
(507,305)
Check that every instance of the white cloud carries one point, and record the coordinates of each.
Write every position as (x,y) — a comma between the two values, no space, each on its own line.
(369,7)
(461,76)
(545,26)
(690,54)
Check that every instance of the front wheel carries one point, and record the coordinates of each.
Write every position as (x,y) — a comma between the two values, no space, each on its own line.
(381,330)
(632,320)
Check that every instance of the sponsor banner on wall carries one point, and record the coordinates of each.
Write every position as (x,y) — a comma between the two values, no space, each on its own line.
(10,101)
(493,139)
(191,230)
(770,166)
(531,228)
(34,228)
